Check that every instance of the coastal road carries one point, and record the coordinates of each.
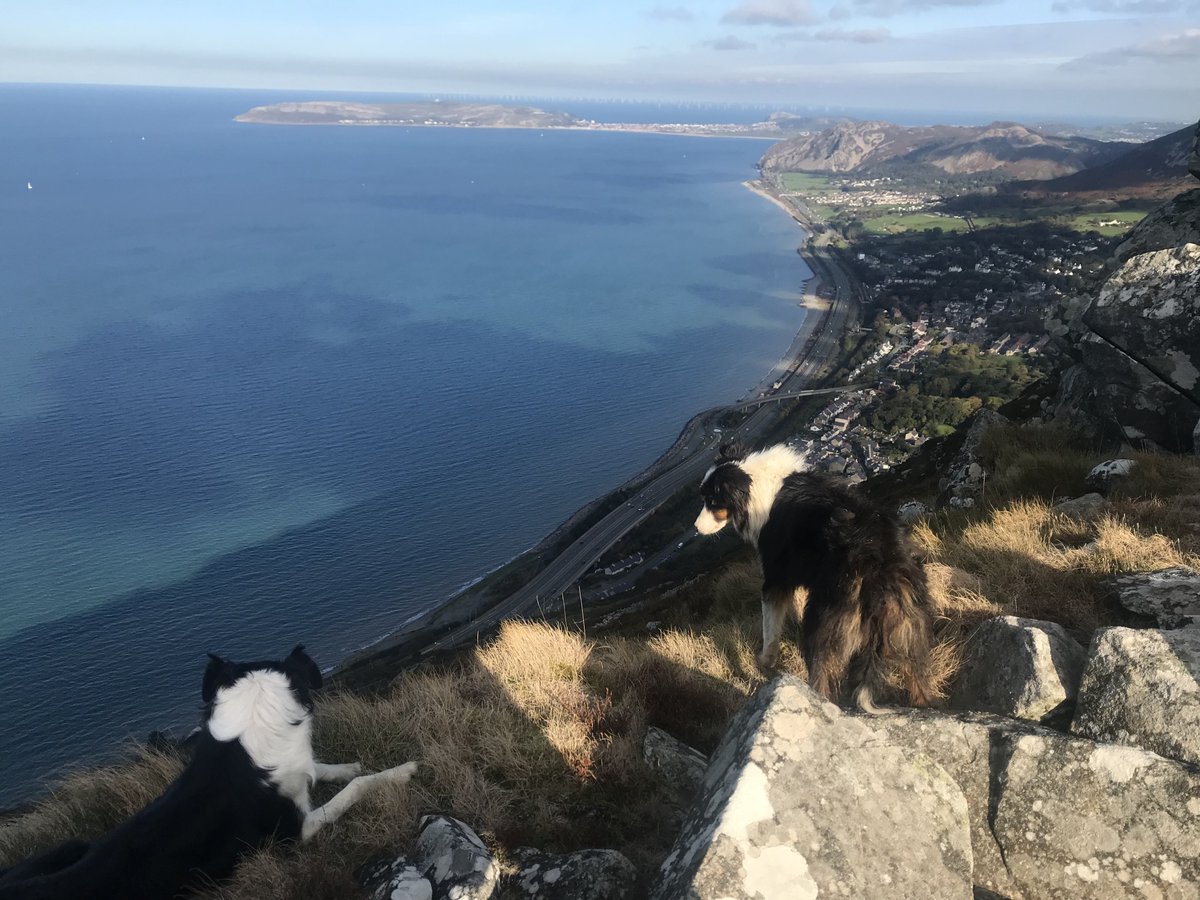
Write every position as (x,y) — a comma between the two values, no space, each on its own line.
(693,457)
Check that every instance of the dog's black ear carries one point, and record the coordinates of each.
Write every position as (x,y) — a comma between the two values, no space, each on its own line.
(731,451)
(219,673)
(301,670)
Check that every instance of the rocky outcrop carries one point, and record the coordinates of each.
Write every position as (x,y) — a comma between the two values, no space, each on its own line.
(1061,817)
(1144,330)
(911,512)
(1175,223)
(967,475)
(1170,596)
(801,801)
(1142,687)
(1194,157)
(1024,668)
(583,875)
(1137,342)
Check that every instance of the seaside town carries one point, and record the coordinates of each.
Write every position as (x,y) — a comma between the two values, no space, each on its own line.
(953,312)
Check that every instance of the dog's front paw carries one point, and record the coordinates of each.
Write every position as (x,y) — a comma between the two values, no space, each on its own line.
(345,771)
(768,659)
(399,774)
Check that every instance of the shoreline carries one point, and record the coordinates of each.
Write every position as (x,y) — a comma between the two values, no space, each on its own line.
(472,602)
(629,129)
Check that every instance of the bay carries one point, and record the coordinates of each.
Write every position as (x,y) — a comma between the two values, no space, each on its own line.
(262,386)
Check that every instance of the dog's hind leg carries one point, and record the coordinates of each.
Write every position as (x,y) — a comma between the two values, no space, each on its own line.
(832,636)
(337,772)
(351,794)
(776,603)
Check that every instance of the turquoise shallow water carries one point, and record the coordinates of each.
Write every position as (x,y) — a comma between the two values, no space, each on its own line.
(267,385)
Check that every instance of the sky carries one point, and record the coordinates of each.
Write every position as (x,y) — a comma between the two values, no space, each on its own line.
(1061,59)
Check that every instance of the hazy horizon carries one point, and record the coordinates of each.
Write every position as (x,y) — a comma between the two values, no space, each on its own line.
(1109,59)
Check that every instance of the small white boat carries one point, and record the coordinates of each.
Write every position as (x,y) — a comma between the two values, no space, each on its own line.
(29,185)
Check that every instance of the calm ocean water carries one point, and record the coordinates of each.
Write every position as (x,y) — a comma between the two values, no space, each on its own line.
(261,386)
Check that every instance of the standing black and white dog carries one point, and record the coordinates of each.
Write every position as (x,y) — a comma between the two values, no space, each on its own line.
(247,782)
(842,563)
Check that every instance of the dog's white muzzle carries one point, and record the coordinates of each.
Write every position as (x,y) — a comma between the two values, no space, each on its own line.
(707,523)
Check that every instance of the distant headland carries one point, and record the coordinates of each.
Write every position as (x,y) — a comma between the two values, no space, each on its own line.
(436,113)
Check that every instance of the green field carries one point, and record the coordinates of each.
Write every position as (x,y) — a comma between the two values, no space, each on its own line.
(807,183)
(894,223)
(1091,222)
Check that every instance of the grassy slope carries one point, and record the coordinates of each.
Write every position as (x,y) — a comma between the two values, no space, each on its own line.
(533,739)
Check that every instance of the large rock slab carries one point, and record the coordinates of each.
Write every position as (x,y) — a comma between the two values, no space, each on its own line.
(1170,596)
(582,875)
(1142,687)
(962,744)
(801,801)
(1018,667)
(1056,816)
(1079,819)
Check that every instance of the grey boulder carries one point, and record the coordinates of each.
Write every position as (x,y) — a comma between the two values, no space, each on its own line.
(396,879)
(680,767)
(583,875)
(1106,474)
(1170,596)
(1083,509)
(1142,687)
(801,801)
(454,860)
(1018,667)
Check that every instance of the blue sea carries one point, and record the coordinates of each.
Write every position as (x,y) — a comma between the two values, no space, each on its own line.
(269,385)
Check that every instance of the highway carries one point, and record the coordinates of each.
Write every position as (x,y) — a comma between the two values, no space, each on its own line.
(686,465)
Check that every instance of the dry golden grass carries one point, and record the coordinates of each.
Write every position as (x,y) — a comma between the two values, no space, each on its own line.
(534,738)
(88,803)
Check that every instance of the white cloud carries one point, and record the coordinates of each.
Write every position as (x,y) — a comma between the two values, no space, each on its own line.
(729,42)
(1126,7)
(886,8)
(848,35)
(780,13)
(1184,45)
(670,14)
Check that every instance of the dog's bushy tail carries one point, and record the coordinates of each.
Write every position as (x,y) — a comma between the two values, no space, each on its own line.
(902,636)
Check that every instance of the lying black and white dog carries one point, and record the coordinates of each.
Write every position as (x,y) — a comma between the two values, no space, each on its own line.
(839,562)
(247,782)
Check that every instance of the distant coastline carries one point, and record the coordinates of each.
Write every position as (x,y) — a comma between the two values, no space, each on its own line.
(435,114)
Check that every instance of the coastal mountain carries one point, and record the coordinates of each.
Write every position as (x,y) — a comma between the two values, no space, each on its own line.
(881,148)
(339,112)
(1157,168)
